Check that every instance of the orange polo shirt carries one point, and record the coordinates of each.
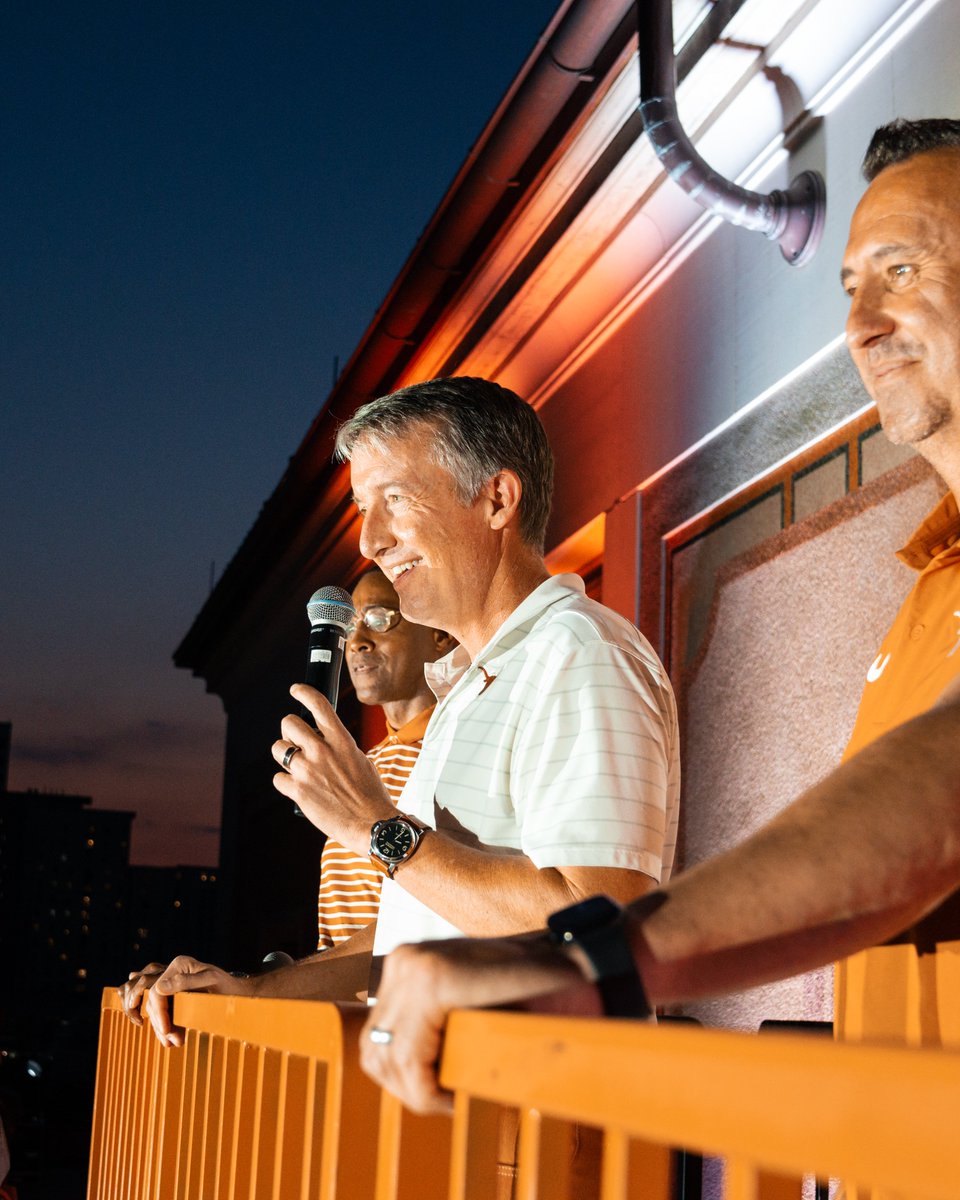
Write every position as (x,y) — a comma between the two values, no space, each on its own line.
(908,991)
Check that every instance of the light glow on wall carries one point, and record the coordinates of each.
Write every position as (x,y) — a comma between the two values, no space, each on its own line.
(882,44)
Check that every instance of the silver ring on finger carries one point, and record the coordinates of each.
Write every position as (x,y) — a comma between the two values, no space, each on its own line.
(380,1037)
(288,756)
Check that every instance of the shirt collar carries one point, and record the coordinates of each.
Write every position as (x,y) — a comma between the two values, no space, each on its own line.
(938,533)
(413,730)
(445,672)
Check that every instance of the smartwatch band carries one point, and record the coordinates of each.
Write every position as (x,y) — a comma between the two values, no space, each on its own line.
(598,927)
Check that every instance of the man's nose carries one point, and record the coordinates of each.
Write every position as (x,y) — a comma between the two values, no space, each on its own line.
(359,639)
(869,318)
(375,536)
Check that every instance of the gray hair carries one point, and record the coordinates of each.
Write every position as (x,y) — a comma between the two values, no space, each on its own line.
(902,139)
(481,428)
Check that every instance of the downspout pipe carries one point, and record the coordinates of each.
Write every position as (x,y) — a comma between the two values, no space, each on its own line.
(794,218)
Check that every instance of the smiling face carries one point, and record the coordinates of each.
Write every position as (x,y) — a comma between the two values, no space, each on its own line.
(901,270)
(440,554)
(459,566)
(387,668)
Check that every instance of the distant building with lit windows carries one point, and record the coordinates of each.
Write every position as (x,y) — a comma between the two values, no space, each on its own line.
(63,892)
(171,908)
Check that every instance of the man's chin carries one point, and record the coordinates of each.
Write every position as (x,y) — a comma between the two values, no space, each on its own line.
(911,429)
(367,691)
(908,419)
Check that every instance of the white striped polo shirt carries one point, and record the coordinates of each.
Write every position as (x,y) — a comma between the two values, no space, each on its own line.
(559,742)
(350,883)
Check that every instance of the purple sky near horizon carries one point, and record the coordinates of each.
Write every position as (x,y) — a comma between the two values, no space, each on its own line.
(202,205)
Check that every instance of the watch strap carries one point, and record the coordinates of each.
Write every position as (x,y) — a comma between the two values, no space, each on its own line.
(617,978)
(598,927)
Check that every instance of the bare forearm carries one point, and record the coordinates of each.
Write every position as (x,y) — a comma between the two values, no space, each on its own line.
(341,978)
(856,859)
(486,894)
(360,942)
(340,973)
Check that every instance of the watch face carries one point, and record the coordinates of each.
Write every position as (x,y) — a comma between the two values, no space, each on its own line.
(394,840)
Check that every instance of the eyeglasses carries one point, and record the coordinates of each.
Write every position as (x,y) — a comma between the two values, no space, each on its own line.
(376,618)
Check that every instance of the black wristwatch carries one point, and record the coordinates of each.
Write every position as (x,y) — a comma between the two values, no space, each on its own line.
(395,840)
(597,926)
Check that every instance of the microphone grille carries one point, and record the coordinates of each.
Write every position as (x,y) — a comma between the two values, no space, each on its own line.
(330,606)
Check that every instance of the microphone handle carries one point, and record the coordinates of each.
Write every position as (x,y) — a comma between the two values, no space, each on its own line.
(324,659)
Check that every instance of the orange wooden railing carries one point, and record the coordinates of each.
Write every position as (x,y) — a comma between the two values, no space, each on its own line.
(266,1102)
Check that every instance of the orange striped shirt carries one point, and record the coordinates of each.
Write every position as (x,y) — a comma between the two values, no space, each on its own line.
(349,895)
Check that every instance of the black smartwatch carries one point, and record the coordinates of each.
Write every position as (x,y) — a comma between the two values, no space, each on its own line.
(597,926)
(395,840)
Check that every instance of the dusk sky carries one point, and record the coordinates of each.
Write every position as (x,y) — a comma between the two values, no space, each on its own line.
(202,204)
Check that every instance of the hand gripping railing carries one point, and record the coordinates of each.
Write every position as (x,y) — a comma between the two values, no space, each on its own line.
(266,1102)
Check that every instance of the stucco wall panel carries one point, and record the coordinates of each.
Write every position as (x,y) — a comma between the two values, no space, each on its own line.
(770,702)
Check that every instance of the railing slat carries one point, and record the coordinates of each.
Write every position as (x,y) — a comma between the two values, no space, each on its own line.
(634,1169)
(135,1087)
(212,1115)
(545,1154)
(101,1099)
(265,1133)
(171,1103)
(191,1142)
(773,1186)
(739,1179)
(151,1130)
(475,1147)
(413,1153)
(245,1148)
(317,1130)
(117,1105)
(229,1096)
(292,1132)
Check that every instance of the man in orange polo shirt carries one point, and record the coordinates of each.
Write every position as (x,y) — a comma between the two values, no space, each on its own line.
(902,273)
(872,849)
(385,657)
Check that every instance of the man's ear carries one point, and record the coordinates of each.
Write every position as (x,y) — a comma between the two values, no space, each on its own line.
(503,493)
(443,641)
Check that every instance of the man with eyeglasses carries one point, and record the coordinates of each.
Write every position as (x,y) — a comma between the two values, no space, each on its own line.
(385,657)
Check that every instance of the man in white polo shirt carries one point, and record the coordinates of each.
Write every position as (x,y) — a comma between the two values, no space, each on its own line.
(550,769)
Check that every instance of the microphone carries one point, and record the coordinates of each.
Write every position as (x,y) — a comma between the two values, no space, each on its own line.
(330,611)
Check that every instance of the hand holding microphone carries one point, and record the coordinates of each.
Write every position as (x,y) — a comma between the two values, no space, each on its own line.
(330,612)
(324,773)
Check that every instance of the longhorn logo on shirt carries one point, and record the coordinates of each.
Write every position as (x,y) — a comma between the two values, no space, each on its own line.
(877,667)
